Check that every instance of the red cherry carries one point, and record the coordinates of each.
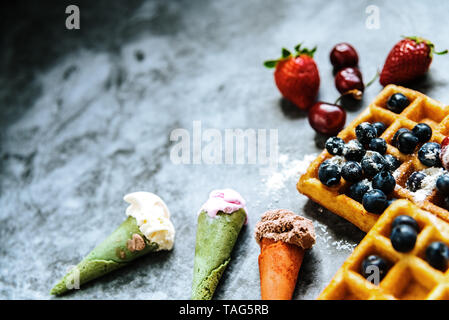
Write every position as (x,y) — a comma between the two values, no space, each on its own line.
(327,118)
(344,55)
(349,81)
(444,154)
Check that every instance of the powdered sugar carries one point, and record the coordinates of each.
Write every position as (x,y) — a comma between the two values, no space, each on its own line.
(352,145)
(428,183)
(368,158)
(339,161)
(396,174)
(367,183)
(432,155)
(343,245)
(289,170)
(324,238)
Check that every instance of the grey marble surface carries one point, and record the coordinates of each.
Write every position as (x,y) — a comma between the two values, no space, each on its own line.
(86,117)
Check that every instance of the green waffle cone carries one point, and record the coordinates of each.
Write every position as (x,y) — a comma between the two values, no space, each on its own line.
(114,252)
(215,239)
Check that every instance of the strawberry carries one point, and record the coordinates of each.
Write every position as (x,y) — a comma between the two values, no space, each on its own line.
(410,58)
(297,76)
(444,154)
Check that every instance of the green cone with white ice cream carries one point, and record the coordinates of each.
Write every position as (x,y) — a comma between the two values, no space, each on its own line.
(219,223)
(147,229)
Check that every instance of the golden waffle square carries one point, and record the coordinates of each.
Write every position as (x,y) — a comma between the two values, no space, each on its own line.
(421,109)
(410,277)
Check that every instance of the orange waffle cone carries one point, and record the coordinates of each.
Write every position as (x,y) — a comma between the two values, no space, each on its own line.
(279,264)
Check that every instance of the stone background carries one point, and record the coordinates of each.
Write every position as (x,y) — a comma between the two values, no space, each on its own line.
(86,117)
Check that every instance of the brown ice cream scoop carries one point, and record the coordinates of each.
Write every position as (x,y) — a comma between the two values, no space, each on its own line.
(283,225)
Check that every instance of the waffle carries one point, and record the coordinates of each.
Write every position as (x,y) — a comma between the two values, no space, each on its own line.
(421,109)
(410,276)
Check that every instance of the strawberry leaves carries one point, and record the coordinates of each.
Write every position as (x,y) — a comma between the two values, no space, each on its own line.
(305,51)
(270,63)
(286,54)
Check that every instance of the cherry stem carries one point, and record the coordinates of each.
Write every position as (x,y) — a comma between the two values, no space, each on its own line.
(373,79)
(355,93)
(338,100)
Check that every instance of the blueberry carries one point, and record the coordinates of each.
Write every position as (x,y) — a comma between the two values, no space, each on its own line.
(335,145)
(329,174)
(407,142)
(403,238)
(374,261)
(415,180)
(443,184)
(353,151)
(357,190)
(384,181)
(437,255)
(423,132)
(394,141)
(429,154)
(375,201)
(392,162)
(372,163)
(380,128)
(379,145)
(365,132)
(397,102)
(403,219)
(352,171)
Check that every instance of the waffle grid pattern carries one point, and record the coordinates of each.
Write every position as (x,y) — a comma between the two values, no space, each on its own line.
(422,109)
(410,277)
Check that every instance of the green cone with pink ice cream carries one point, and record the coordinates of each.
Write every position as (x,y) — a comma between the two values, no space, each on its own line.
(219,223)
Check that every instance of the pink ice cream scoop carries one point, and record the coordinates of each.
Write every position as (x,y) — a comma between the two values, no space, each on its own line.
(225,200)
